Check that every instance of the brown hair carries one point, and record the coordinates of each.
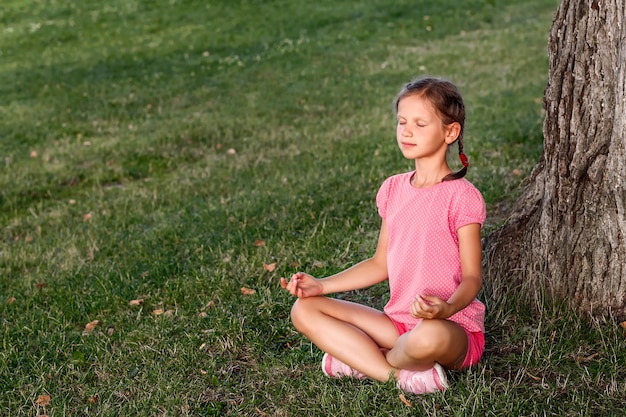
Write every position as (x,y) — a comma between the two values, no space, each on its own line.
(448,103)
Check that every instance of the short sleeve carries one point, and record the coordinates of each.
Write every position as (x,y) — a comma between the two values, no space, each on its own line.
(382,197)
(469,208)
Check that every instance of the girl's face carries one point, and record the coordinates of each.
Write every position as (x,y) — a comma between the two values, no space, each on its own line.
(420,131)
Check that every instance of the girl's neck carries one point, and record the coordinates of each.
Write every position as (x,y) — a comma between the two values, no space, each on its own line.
(423,178)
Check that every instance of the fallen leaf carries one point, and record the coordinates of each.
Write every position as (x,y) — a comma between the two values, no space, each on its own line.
(259,243)
(41,285)
(110,330)
(158,311)
(91,325)
(11,300)
(405,401)
(536,378)
(261,412)
(203,315)
(203,372)
(516,172)
(93,400)
(43,400)
(136,302)
(269,267)
(247,291)
(583,359)
(86,216)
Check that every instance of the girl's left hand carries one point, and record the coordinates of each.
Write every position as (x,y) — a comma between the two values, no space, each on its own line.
(430,307)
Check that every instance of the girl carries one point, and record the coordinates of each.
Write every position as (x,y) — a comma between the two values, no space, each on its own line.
(428,248)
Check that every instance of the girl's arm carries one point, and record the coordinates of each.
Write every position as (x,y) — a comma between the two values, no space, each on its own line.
(470,250)
(364,274)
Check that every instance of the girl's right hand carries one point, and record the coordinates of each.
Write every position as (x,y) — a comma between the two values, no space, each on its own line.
(302,285)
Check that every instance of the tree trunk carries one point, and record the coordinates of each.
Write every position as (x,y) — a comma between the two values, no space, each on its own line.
(566,237)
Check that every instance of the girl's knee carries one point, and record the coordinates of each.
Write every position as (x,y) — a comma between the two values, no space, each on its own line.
(424,340)
(301,311)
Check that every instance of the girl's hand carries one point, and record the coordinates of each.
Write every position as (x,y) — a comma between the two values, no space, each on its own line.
(430,307)
(302,285)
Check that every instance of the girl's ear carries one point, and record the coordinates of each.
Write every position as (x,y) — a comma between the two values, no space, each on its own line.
(452,132)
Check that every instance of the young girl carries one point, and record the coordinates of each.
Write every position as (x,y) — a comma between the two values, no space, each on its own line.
(428,248)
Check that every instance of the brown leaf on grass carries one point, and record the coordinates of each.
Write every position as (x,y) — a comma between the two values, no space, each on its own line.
(536,378)
(43,400)
(110,330)
(247,291)
(259,243)
(516,172)
(583,359)
(261,412)
(93,400)
(136,302)
(11,300)
(269,267)
(41,285)
(86,216)
(90,326)
(158,311)
(405,401)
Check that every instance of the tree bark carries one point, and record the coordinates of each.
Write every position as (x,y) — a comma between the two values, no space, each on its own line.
(566,237)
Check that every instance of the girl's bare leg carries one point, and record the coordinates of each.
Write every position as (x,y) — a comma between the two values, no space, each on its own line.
(431,341)
(350,332)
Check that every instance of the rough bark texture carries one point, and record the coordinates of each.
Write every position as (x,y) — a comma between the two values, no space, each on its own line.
(567,235)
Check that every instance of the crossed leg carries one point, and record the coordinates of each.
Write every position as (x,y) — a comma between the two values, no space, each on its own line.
(367,340)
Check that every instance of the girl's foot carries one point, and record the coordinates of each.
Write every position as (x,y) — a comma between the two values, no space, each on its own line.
(334,368)
(422,382)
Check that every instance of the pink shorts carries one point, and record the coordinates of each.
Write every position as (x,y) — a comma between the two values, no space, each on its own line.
(475,344)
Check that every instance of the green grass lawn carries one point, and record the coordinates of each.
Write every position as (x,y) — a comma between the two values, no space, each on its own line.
(159,157)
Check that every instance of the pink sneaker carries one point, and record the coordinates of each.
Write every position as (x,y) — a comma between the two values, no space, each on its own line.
(334,368)
(422,382)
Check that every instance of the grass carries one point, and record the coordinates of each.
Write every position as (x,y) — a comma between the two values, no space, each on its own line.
(167,151)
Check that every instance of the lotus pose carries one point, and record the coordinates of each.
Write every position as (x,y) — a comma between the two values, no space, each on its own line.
(429,249)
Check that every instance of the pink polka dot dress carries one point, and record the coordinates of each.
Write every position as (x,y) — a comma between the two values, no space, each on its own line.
(423,248)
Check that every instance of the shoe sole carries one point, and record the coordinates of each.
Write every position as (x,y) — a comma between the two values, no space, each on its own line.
(443,379)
